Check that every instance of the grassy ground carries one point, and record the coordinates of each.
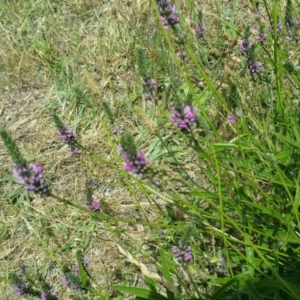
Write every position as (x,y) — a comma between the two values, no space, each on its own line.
(54,52)
(70,56)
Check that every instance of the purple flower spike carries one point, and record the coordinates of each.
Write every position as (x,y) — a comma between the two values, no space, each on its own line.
(288,39)
(75,151)
(295,21)
(232,117)
(93,205)
(31,177)
(74,272)
(168,13)
(152,86)
(149,86)
(66,134)
(19,287)
(86,262)
(117,130)
(64,280)
(182,54)
(279,27)
(261,37)
(52,293)
(245,45)
(255,67)
(134,163)
(182,253)
(122,153)
(200,29)
(184,117)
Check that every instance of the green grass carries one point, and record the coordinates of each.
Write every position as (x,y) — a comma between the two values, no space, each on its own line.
(230,190)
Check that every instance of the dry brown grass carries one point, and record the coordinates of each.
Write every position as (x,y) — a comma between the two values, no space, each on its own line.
(46,47)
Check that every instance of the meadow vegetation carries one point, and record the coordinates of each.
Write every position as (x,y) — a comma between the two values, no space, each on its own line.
(150,149)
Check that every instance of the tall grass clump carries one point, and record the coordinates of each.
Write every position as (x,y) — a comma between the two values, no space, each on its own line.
(203,147)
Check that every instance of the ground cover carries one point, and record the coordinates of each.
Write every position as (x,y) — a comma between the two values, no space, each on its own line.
(168,136)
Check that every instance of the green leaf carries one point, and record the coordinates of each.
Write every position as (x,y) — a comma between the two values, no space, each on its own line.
(142,293)
(226,283)
(288,140)
(82,273)
(283,236)
(250,258)
(151,283)
(232,28)
(218,147)
(253,291)
(266,210)
(166,273)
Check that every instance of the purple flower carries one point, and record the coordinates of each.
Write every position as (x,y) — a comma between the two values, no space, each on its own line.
(65,134)
(74,272)
(67,283)
(117,130)
(22,270)
(182,253)
(232,117)
(19,287)
(75,151)
(295,21)
(292,37)
(168,13)
(74,287)
(85,262)
(122,153)
(93,205)
(279,27)
(245,45)
(288,39)
(181,54)
(149,86)
(134,163)
(152,86)
(31,177)
(184,117)
(46,295)
(200,29)
(255,67)
(292,22)
(261,37)
(64,280)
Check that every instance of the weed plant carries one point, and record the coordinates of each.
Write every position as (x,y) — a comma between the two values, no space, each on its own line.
(197,139)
